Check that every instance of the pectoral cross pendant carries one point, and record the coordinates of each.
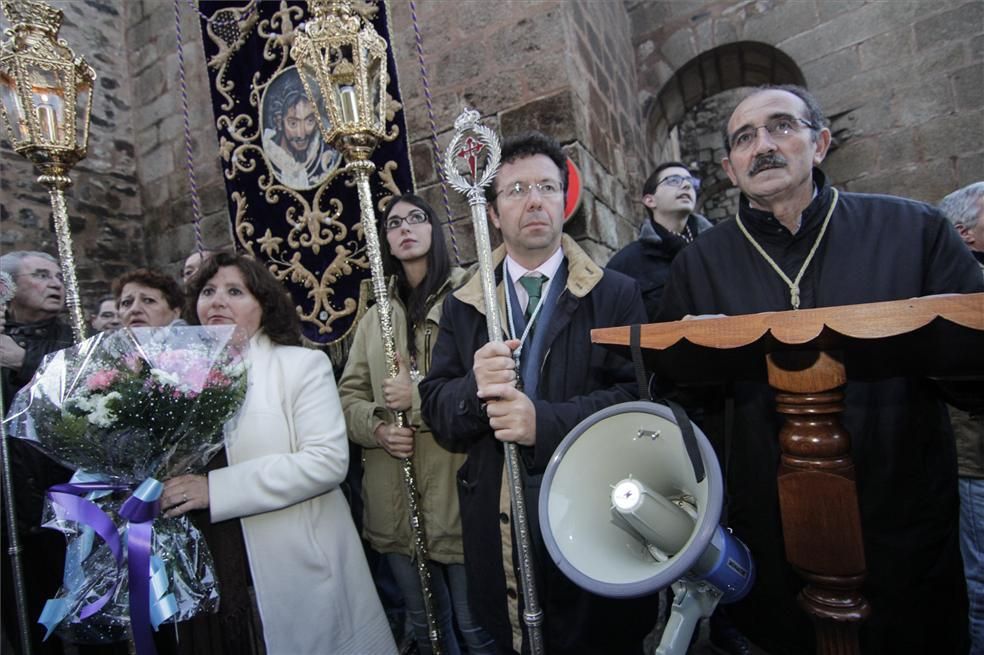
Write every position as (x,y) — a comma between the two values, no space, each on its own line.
(794,296)
(519,379)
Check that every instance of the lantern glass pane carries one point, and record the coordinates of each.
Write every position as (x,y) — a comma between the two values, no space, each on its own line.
(12,107)
(312,88)
(83,93)
(48,105)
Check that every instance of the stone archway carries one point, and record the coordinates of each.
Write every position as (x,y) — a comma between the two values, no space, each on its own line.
(682,120)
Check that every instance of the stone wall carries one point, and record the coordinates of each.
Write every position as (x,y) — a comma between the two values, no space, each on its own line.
(902,81)
(611,150)
(564,68)
(159,133)
(702,147)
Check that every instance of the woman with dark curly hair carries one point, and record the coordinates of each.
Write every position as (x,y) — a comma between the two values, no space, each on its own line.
(276,490)
(148,298)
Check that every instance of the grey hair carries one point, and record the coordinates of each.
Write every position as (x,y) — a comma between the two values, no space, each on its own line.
(11,262)
(964,206)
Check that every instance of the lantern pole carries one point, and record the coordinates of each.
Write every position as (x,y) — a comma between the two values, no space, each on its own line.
(341,61)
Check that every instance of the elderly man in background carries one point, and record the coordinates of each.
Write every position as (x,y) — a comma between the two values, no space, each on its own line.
(965,210)
(32,330)
(796,242)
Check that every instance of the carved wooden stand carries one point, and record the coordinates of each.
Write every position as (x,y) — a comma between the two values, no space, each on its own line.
(808,356)
(818,498)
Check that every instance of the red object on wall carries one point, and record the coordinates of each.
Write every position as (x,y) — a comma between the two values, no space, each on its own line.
(573,199)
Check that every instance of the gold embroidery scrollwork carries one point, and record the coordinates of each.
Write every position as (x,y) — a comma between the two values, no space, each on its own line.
(314,222)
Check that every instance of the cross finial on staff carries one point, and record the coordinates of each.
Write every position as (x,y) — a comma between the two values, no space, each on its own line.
(470,152)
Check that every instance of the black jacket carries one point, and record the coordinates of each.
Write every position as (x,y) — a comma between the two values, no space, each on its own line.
(876,248)
(577,378)
(648,258)
(31,474)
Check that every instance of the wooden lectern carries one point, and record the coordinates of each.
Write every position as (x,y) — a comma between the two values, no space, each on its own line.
(807,356)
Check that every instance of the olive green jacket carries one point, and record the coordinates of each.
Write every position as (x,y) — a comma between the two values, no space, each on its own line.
(386,517)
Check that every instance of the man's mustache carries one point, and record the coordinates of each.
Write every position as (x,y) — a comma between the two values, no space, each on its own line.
(763,162)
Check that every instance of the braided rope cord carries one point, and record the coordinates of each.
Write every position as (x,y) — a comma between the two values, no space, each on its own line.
(196,206)
(438,158)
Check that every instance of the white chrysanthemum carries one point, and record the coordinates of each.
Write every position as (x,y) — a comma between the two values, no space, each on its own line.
(79,403)
(165,377)
(102,415)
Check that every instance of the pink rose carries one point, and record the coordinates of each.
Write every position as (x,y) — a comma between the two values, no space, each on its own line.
(190,368)
(101,380)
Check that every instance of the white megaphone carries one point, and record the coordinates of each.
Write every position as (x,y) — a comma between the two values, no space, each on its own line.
(630,505)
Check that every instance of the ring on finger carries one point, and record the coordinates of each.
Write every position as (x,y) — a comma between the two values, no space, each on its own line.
(184,498)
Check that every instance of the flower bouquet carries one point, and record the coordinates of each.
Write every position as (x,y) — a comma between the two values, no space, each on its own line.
(128,409)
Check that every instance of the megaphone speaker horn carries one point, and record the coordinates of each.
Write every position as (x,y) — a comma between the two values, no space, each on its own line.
(625,510)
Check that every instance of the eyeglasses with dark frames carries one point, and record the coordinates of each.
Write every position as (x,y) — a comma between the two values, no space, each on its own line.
(678,180)
(415,217)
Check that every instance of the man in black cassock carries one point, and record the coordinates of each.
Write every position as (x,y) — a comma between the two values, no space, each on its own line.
(798,243)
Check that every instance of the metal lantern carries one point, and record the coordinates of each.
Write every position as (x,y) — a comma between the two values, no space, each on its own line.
(45,106)
(342,64)
(45,90)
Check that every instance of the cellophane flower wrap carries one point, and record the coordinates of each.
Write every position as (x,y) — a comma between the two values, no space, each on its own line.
(123,408)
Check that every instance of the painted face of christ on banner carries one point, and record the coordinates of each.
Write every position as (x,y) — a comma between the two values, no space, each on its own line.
(292,142)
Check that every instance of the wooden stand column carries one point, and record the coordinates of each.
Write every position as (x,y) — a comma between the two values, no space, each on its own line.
(818,496)
(807,357)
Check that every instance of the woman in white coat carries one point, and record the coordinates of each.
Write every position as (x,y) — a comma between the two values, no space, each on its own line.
(286,454)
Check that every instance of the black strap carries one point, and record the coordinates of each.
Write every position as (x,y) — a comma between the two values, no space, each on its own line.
(679,415)
(689,439)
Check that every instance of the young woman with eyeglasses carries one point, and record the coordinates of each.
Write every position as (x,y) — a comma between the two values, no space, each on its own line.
(415,256)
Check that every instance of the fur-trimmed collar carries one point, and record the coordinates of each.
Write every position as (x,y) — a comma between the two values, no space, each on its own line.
(582,275)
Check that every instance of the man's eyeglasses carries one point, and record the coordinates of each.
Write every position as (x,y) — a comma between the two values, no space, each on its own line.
(778,128)
(413,218)
(678,180)
(520,190)
(44,275)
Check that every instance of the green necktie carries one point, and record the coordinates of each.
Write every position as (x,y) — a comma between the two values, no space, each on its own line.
(534,287)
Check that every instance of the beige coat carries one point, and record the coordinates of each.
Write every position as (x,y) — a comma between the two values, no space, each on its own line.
(386,517)
(287,455)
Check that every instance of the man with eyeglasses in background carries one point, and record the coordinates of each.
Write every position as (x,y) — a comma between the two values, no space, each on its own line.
(553,295)
(670,195)
(32,330)
(796,242)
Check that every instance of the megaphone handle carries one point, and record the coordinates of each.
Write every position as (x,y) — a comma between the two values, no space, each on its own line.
(692,601)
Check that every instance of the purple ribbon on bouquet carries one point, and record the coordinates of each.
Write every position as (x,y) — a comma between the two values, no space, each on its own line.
(140,510)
